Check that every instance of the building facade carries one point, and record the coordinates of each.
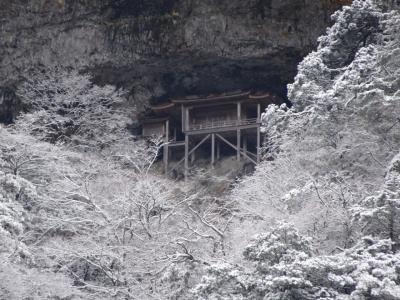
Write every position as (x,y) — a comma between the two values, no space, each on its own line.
(232,120)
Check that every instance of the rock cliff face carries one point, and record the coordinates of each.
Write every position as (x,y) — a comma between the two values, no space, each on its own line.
(163,48)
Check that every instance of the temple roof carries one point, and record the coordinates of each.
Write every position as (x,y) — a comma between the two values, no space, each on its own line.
(220,97)
(225,97)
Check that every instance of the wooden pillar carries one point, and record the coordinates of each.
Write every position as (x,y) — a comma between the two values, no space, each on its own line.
(212,150)
(218,150)
(186,156)
(258,132)
(183,118)
(192,157)
(238,145)
(166,147)
(239,112)
(245,143)
(187,118)
(258,144)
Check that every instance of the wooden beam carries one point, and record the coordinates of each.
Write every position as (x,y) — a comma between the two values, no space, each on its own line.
(187,120)
(234,147)
(177,164)
(218,150)
(166,147)
(258,145)
(199,144)
(252,154)
(212,150)
(222,129)
(189,152)
(183,118)
(186,157)
(167,130)
(192,158)
(238,145)
(239,116)
(176,144)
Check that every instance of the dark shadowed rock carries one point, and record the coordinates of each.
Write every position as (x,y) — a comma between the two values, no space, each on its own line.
(10,105)
(165,48)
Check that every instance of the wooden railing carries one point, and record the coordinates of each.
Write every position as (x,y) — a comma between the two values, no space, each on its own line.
(210,124)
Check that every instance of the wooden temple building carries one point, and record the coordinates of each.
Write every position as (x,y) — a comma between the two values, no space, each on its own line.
(229,120)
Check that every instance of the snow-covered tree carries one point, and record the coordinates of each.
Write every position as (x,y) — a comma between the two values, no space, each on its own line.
(66,107)
(380,215)
(330,150)
(369,270)
(282,244)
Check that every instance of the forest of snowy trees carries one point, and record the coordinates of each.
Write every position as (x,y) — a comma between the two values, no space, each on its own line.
(85,212)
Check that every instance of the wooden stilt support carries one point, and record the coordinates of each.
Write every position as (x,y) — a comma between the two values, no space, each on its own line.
(192,157)
(244,143)
(166,148)
(258,133)
(239,116)
(188,153)
(234,147)
(186,156)
(199,144)
(183,118)
(187,121)
(258,145)
(218,150)
(238,145)
(212,150)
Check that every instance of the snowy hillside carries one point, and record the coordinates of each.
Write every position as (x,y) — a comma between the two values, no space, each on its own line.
(85,212)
